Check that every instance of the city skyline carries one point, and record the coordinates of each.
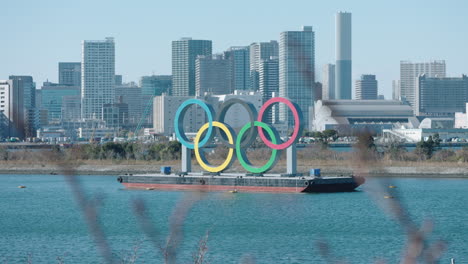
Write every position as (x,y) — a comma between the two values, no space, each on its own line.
(397,34)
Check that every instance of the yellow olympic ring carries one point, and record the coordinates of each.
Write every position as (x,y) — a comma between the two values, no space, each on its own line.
(230,155)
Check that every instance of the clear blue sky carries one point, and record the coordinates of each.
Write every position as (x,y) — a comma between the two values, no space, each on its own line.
(36,35)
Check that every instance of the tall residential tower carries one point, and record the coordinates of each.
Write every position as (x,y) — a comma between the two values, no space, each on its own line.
(239,60)
(296,72)
(343,56)
(184,54)
(409,73)
(97,79)
(260,51)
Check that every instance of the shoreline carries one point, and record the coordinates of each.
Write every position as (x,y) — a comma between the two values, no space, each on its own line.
(327,170)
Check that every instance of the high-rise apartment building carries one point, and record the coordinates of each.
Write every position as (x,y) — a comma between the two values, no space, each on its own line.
(297,72)
(29,104)
(212,75)
(366,87)
(29,90)
(12,115)
(239,60)
(269,84)
(184,54)
(343,69)
(97,82)
(409,73)
(260,51)
(70,73)
(441,97)
(328,82)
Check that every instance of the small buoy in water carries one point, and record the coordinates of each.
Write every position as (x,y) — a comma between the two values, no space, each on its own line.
(233,191)
(21,186)
(392,186)
(388,197)
(150,188)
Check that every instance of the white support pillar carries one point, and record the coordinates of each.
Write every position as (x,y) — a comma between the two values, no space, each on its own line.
(186,165)
(291,160)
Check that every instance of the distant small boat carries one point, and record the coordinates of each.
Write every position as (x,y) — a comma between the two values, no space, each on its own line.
(392,186)
(388,197)
(233,191)
(21,186)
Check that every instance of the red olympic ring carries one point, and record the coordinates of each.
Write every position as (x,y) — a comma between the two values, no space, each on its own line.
(297,121)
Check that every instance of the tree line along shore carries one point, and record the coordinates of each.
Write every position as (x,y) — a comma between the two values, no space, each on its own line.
(428,158)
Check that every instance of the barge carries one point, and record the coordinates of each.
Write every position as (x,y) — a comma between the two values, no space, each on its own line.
(241,183)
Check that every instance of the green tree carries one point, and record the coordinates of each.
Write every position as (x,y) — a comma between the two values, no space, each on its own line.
(330,133)
(437,141)
(425,149)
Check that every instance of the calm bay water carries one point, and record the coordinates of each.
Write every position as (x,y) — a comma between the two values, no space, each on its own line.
(43,221)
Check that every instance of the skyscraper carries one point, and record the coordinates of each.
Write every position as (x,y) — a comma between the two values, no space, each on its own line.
(29,102)
(29,90)
(98,71)
(269,84)
(409,73)
(366,87)
(343,56)
(212,75)
(70,73)
(396,90)
(328,83)
(239,60)
(184,54)
(260,51)
(296,72)
(12,108)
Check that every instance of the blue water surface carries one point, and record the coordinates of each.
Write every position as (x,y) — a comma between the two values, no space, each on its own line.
(43,222)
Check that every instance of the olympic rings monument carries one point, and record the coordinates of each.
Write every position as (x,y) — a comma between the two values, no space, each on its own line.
(239,143)
(252,181)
